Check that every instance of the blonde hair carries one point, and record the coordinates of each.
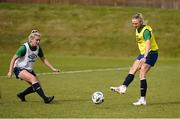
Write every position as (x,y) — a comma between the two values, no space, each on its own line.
(140,17)
(32,34)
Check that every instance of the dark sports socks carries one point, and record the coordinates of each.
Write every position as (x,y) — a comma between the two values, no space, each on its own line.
(128,79)
(143,88)
(28,91)
(39,90)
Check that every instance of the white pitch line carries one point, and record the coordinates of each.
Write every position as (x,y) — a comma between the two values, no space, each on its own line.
(85,71)
(81,71)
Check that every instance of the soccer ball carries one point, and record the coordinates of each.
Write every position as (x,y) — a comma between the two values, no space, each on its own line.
(97,97)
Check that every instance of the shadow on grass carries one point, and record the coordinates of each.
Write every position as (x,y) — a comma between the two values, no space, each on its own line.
(70,100)
(165,103)
(55,101)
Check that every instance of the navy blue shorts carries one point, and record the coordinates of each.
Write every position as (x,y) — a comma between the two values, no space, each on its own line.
(151,58)
(17,70)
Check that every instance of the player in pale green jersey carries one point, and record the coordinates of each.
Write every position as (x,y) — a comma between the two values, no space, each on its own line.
(145,60)
(22,66)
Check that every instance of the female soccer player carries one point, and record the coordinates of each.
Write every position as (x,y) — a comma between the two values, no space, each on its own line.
(22,66)
(144,61)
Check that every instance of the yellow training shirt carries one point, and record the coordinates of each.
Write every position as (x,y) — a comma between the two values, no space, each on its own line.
(141,41)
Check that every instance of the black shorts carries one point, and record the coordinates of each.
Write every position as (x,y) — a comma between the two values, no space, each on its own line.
(151,58)
(17,70)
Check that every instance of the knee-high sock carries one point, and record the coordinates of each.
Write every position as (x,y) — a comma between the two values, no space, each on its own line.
(28,91)
(128,79)
(39,90)
(143,88)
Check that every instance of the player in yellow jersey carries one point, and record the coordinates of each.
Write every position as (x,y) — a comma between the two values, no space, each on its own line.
(145,60)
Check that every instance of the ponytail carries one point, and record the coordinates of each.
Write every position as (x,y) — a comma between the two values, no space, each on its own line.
(32,34)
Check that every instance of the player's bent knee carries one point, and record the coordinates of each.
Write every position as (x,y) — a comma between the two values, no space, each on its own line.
(133,70)
(33,80)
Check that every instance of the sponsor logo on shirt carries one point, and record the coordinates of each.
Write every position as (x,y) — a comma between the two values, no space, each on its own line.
(32,56)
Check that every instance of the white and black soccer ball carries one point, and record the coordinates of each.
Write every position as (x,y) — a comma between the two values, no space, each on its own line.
(97,97)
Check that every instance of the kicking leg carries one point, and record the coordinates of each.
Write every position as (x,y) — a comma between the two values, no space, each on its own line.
(129,78)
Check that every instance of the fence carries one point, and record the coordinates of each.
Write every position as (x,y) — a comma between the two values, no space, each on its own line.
(175,4)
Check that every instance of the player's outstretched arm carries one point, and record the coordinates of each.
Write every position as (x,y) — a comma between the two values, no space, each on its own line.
(47,63)
(10,72)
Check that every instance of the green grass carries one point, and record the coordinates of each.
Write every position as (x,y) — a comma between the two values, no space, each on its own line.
(98,30)
(89,37)
(73,91)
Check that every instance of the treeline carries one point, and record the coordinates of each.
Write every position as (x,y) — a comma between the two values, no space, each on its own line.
(175,4)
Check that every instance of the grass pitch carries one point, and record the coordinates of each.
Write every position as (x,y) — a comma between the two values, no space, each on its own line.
(73,91)
(89,31)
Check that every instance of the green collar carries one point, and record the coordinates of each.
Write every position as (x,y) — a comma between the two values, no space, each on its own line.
(140,28)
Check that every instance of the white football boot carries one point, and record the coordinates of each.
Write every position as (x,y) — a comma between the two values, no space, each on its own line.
(141,101)
(121,89)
